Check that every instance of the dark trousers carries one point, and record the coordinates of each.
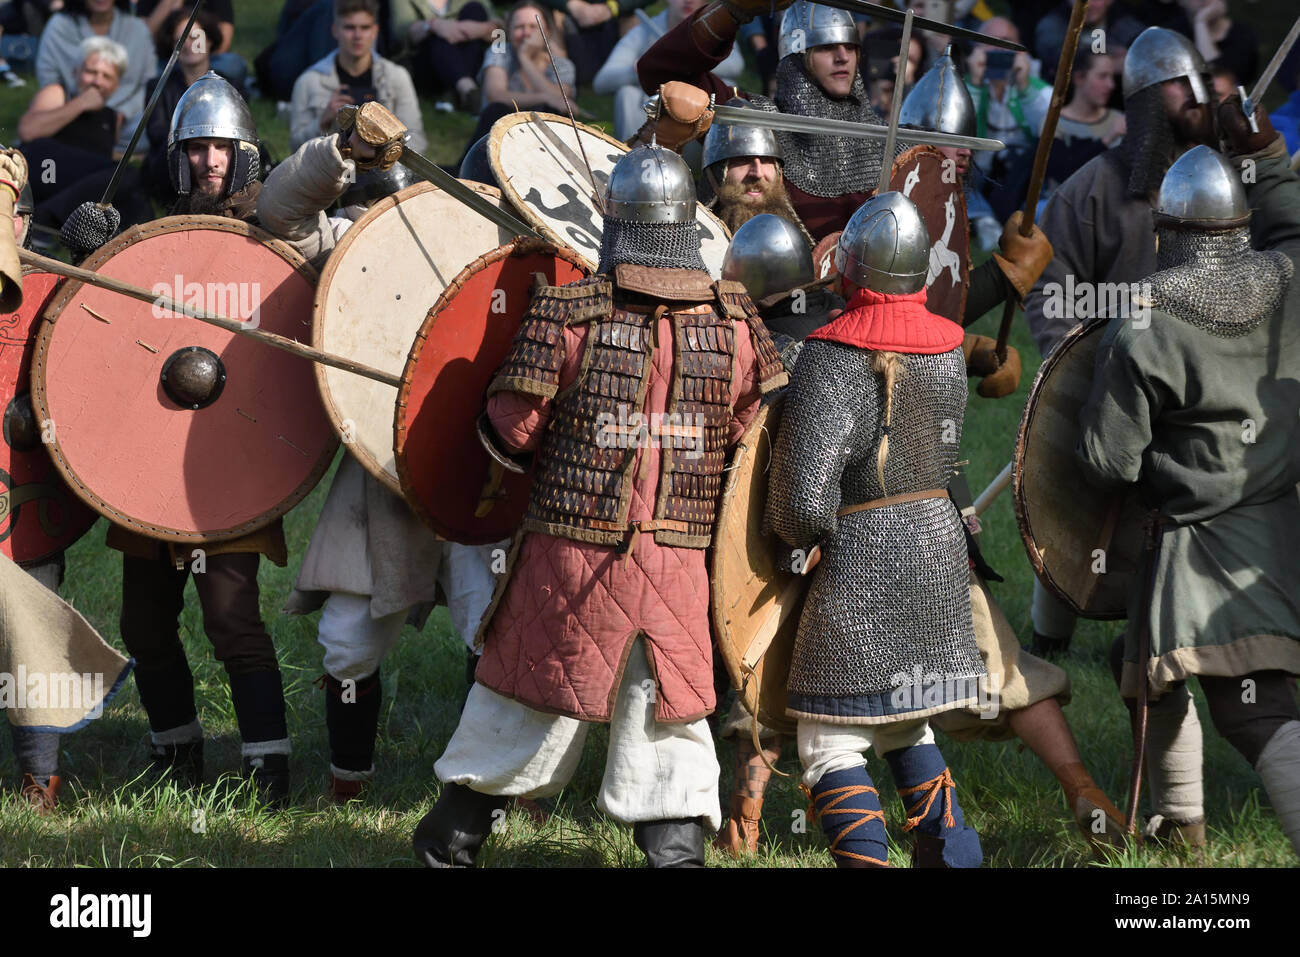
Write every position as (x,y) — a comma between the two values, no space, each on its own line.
(1248,709)
(490,114)
(153,595)
(589,48)
(438,65)
(63,177)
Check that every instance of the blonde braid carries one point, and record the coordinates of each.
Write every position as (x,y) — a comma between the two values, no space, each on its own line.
(886,364)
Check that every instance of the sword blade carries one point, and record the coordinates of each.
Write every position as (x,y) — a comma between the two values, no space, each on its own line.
(435,174)
(111,189)
(790,123)
(921,23)
(895,107)
(1270,71)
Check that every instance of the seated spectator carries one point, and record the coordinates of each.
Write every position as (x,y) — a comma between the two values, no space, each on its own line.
(229,64)
(760,38)
(444,41)
(1286,118)
(591,31)
(1011,101)
(618,75)
(59,58)
(518,71)
(353,73)
(1121,29)
(1222,42)
(1087,126)
(879,64)
(193,62)
(68,136)
(303,36)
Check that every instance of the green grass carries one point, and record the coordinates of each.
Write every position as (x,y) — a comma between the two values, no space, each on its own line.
(110,817)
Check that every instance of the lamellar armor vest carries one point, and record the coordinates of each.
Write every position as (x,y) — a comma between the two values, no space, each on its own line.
(582,488)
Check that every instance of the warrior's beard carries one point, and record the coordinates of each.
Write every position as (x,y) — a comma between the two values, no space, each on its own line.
(735,208)
(201,204)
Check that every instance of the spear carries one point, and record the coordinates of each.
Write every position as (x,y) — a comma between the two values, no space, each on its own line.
(1063,69)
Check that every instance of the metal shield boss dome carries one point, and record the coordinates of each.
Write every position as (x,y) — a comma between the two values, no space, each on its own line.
(1158,55)
(940,101)
(651,184)
(768,254)
(807,25)
(885,247)
(1202,189)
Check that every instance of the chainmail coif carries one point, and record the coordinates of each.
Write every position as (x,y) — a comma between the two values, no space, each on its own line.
(1215,281)
(662,245)
(819,164)
(1149,145)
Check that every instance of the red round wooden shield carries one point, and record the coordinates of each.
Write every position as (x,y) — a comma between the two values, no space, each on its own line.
(249,448)
(924,176)
(447,476)
(39,516)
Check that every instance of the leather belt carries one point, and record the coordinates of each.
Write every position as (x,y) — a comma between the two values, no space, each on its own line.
(626,546)
(893,500)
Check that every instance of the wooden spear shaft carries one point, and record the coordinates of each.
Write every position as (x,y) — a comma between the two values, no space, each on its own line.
(1063,70)
(230,325)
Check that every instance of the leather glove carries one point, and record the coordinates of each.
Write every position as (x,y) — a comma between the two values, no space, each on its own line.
(89,227)
(1236,128)
(1004,379)
(13,173)
(1023,258)
(378,128)
(979,352)
(685,112)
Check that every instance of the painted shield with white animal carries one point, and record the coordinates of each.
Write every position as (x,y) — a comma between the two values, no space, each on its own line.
(929,180)
(542,168)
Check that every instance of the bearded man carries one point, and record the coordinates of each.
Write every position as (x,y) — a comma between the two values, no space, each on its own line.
(213,160)
(827,177)
(1099,222)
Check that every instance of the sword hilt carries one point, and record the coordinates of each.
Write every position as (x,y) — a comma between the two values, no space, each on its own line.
(1248,108)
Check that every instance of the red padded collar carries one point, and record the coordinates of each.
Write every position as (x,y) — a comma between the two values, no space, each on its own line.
(872,320)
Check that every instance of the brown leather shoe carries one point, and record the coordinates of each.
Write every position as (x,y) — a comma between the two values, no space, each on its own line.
(341,792)
(1167,832)
(739,837)
(42,799)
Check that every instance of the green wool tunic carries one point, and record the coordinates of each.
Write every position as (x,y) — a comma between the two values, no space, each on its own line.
(1209,429)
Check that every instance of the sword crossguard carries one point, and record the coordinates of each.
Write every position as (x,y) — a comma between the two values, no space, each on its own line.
(1248,109)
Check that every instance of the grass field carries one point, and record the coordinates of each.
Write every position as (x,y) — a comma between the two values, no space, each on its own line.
(110,818)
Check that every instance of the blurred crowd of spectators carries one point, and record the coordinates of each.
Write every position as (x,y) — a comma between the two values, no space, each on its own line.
(96,61)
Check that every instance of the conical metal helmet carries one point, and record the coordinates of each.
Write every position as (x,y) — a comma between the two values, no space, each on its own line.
(768,254)
(807,25)
(885,246)
(651,184)
(940,101)
(1158,55)
(476,165)
(1202,190)
(212,108)
(723,143)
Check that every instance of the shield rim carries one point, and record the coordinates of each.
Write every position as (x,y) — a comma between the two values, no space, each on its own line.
(49,318)
(497,136)
(753,701)
(1042,569)
(37,320)
(524,245)
(906,157)
(318,311)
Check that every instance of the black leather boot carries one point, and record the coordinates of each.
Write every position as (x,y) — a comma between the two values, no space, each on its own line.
(451,834)
(182,763)
(674,843)
(1046,647)
(270,776)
